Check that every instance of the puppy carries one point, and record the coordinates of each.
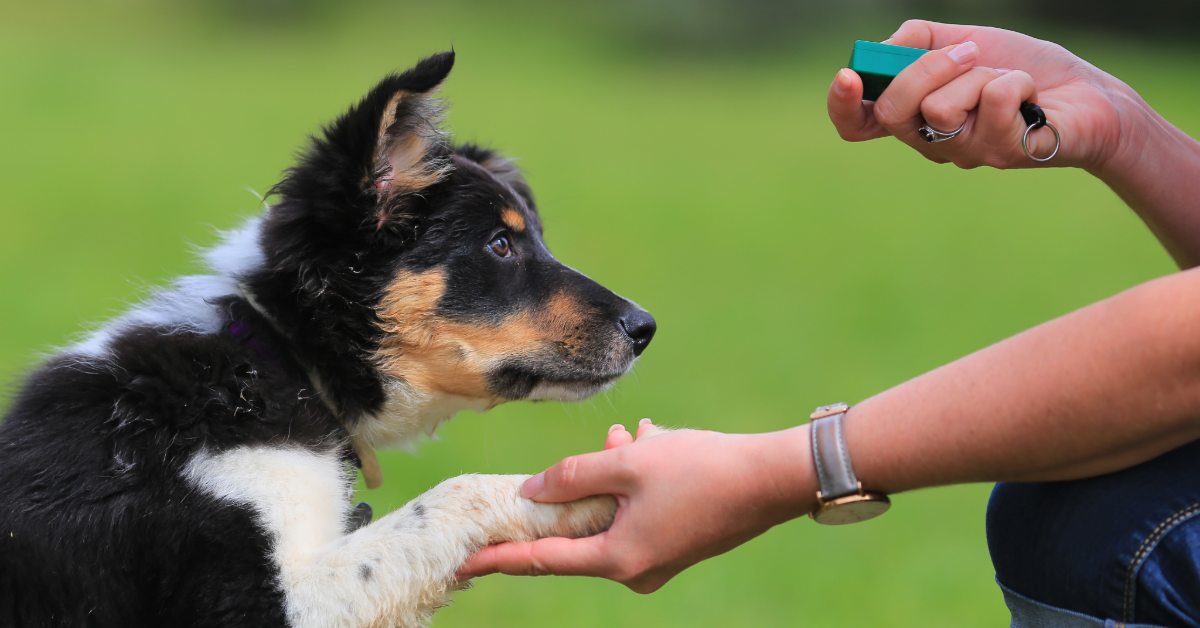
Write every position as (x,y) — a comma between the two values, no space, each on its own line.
(191,463)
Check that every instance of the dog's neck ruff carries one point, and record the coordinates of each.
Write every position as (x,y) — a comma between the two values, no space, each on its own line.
(363,455)
(407,413)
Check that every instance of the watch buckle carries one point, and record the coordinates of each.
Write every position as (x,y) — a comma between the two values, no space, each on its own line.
(829,410)
(821,496)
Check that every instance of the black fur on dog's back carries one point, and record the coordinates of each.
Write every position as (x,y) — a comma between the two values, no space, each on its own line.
(395,281)
(99,526)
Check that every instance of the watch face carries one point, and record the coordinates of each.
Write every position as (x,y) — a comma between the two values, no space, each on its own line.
(852,509)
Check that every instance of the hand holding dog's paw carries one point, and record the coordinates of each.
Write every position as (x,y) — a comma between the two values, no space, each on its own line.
(684,496)
(572,520)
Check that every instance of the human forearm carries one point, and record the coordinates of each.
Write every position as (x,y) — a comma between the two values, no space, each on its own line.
(1156,170)
(1097,390)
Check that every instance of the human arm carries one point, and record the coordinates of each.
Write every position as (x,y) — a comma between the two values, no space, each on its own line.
(1100,389)
(1107,128)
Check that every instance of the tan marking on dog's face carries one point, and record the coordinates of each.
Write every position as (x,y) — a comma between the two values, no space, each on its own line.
(513,219)
(438,355)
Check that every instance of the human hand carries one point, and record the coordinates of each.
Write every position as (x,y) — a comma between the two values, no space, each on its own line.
(980,76)
(683,496)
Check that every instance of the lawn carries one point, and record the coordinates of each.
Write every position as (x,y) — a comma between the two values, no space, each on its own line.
(786,268)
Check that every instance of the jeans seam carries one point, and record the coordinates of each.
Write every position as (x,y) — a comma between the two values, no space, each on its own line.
(1142,553)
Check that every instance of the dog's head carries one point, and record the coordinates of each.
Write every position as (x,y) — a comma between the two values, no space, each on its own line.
(413,278)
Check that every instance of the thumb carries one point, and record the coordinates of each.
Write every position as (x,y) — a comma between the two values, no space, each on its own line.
(854,120)
(576,477)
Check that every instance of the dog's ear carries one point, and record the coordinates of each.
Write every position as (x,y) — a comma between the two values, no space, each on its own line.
(384,150)
(410,147)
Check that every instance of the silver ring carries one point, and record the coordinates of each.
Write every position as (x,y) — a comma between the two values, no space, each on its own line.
(933,136)
(1025,144)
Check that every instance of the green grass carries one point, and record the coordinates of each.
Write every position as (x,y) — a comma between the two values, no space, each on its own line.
(786,268)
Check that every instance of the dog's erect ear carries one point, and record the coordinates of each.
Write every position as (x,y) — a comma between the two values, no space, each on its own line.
(410,145)
(392,140)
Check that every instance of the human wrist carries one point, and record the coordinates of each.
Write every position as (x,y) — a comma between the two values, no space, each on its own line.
(1138,132)
(1154,170)
(788,486)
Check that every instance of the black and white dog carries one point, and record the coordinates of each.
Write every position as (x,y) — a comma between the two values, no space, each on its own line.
(191,463)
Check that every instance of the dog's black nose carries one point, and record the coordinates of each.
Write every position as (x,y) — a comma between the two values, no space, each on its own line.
(640,327)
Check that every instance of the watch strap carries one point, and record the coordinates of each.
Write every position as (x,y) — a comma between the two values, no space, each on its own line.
(834,471)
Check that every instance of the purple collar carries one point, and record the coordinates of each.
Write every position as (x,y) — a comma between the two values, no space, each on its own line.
(241,330)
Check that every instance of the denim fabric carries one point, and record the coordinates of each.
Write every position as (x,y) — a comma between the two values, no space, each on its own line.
(1123,547)
(1027,613)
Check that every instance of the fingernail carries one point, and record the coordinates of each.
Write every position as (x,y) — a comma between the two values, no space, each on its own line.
(842,83)
(886,41)
(615,427)
(533,486)
(1003,70)
(964,53)
(645,422)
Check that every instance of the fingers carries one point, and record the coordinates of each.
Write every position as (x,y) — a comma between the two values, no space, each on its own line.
(994,136)
(853,119)
(600,473)
(617,436)
(946,109)
(646,428)
(899,108)
(930,35)
(999,122)
(949,87)
(550,556)
(576,477)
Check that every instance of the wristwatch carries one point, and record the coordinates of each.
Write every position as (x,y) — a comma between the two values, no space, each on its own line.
(842,498)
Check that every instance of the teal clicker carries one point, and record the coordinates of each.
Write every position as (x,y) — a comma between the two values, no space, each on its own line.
(878,64)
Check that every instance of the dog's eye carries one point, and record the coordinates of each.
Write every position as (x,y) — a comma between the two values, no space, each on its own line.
(499,246)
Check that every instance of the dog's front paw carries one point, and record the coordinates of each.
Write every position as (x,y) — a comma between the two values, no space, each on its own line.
(588,516)
(528,520)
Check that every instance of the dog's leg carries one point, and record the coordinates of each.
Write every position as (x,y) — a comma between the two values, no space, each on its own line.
(400,569)
(396,571)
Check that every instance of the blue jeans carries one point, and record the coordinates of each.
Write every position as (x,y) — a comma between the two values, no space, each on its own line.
(1121,549)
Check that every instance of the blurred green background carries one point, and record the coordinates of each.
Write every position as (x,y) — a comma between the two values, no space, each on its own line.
(681,155)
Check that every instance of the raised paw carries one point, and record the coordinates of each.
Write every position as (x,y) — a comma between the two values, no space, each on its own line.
(588,516)
(493,504)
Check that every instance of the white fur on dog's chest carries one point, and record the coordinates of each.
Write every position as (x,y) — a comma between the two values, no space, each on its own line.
(299,496)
